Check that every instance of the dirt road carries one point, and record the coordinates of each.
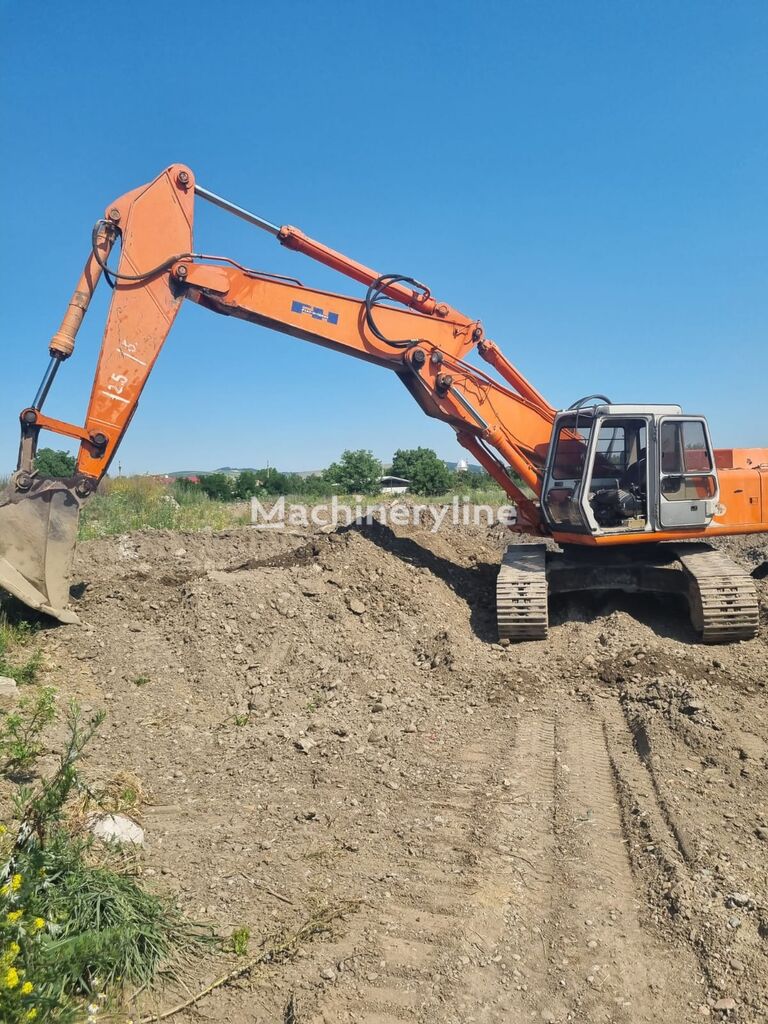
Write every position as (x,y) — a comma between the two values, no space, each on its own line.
(570,831)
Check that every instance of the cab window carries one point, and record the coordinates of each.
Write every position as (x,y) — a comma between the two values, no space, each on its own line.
(611,449)
(686,461)
(684,447)
(571,451)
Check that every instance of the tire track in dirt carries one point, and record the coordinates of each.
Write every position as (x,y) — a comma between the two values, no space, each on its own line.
(522,905)
(441,919)
(615,967)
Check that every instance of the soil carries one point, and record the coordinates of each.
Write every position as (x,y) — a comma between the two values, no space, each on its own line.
(574,830)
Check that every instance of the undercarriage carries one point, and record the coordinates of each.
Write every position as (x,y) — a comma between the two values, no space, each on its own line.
(721,596)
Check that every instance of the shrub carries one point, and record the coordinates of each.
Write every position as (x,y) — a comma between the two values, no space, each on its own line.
(21,730)
(217,486)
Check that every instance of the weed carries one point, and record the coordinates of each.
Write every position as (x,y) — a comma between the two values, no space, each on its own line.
(142,503)
(70,926)
(277,949)
(240,940)
(123,793)
(21,730)
(13,635)
(129,798)
(28,671)
(241,719)
(141,680)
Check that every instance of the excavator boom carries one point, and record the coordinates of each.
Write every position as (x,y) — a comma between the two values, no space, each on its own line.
(506,424)
(423,341)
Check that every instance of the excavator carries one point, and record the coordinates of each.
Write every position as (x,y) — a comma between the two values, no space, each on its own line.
(614,496)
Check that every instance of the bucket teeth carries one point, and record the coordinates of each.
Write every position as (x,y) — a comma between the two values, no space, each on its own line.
(38,531)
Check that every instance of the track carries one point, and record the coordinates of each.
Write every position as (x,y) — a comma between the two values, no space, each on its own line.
(722,596)
(521,904)
(521,593)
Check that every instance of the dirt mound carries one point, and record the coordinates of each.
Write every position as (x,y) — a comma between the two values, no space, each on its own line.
(573,830)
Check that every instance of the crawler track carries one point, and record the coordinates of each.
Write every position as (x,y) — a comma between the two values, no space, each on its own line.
(521,593)
(722,597)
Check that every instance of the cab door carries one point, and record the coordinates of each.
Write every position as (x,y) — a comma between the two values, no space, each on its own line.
(564,478)
(688,486)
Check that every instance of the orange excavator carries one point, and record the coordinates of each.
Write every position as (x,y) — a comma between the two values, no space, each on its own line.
(630,494)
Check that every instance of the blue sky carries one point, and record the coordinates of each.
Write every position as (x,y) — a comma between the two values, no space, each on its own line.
(588,178)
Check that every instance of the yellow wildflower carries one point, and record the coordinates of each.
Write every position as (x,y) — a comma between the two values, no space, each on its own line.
(11,978)
(9,954)
(26,988)
(3,829)
(16,882)
(38,924)
(30,1014)
(14,916)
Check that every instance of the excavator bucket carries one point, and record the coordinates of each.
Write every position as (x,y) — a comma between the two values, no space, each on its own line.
(38,530)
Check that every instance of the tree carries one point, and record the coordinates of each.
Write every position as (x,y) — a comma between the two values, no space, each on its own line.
(313,486)
(270,481)
(217,486)
(184,486)
(469,480)
(51,463)
(356,472)
(421,467)
(246,485)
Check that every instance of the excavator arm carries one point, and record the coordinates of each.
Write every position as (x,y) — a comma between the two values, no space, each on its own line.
(424,341)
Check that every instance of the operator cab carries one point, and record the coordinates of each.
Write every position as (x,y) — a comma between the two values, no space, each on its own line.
(619,469)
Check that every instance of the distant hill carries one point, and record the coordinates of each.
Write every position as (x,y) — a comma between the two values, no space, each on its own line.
(226,470)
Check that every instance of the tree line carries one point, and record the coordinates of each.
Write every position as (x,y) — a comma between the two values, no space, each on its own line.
(356,472)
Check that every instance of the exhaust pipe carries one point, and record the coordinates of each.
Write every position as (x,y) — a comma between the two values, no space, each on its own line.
(39,519)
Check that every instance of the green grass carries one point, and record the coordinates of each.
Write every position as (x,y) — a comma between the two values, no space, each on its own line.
(110,931)
(240,940)
(14,637)
(140,503)
(493,496)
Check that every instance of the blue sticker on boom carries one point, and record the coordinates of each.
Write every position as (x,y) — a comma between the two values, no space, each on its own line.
(315,312)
